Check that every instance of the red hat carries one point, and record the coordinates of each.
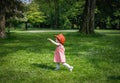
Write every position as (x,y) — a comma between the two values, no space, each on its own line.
(61,38)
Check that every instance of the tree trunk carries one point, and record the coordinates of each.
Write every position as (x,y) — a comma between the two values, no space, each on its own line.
(88,19)
(26,27)
(118,25)
(56,3)
(2,26)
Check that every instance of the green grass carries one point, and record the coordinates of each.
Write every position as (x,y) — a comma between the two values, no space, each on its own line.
(28,58)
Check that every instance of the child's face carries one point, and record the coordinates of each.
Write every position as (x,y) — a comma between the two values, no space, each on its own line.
(57,40)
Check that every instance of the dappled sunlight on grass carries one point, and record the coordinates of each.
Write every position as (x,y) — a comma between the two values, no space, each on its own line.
(28,58)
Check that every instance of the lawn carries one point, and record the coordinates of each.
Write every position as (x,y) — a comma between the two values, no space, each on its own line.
(27,57)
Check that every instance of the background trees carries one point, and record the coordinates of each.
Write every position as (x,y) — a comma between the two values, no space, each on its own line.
(8,8)
(107,14)
(61,14)
(33,15)
(70,13)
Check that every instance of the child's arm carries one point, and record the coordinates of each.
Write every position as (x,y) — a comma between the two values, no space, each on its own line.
(53,42)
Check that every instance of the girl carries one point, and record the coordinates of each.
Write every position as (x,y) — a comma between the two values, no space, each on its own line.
(59,55)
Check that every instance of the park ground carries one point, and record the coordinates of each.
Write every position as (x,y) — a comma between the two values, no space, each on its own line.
(27,57)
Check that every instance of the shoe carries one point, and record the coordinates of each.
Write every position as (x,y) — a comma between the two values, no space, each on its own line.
(71,68)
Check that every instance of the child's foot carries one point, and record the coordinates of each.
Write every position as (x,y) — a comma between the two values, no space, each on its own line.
(71,68)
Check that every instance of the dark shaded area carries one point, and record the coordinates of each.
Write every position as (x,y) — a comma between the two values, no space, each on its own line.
(114,77)
(25,41)
(44,66)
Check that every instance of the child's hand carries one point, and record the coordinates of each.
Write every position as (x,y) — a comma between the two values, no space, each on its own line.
(48,39)
(52,41)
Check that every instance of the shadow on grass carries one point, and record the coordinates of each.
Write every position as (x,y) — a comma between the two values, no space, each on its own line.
(43,66)
(114,77)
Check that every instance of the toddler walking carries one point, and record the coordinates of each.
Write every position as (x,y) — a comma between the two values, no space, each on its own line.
(59,55)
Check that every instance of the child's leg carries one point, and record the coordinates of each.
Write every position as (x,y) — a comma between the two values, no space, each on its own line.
(68,66)
(57,66)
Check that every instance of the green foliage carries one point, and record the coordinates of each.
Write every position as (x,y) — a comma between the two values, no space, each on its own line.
(33,14)
(70,12)
(76,9)
(65,23)
(110,9)
(35,17)
(27,57)
(68,9)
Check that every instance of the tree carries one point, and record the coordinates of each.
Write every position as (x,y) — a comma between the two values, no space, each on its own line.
(108,14)
(56,6)
(75,12)
(33,14)
(52,13)
(88,18)
(7,7)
